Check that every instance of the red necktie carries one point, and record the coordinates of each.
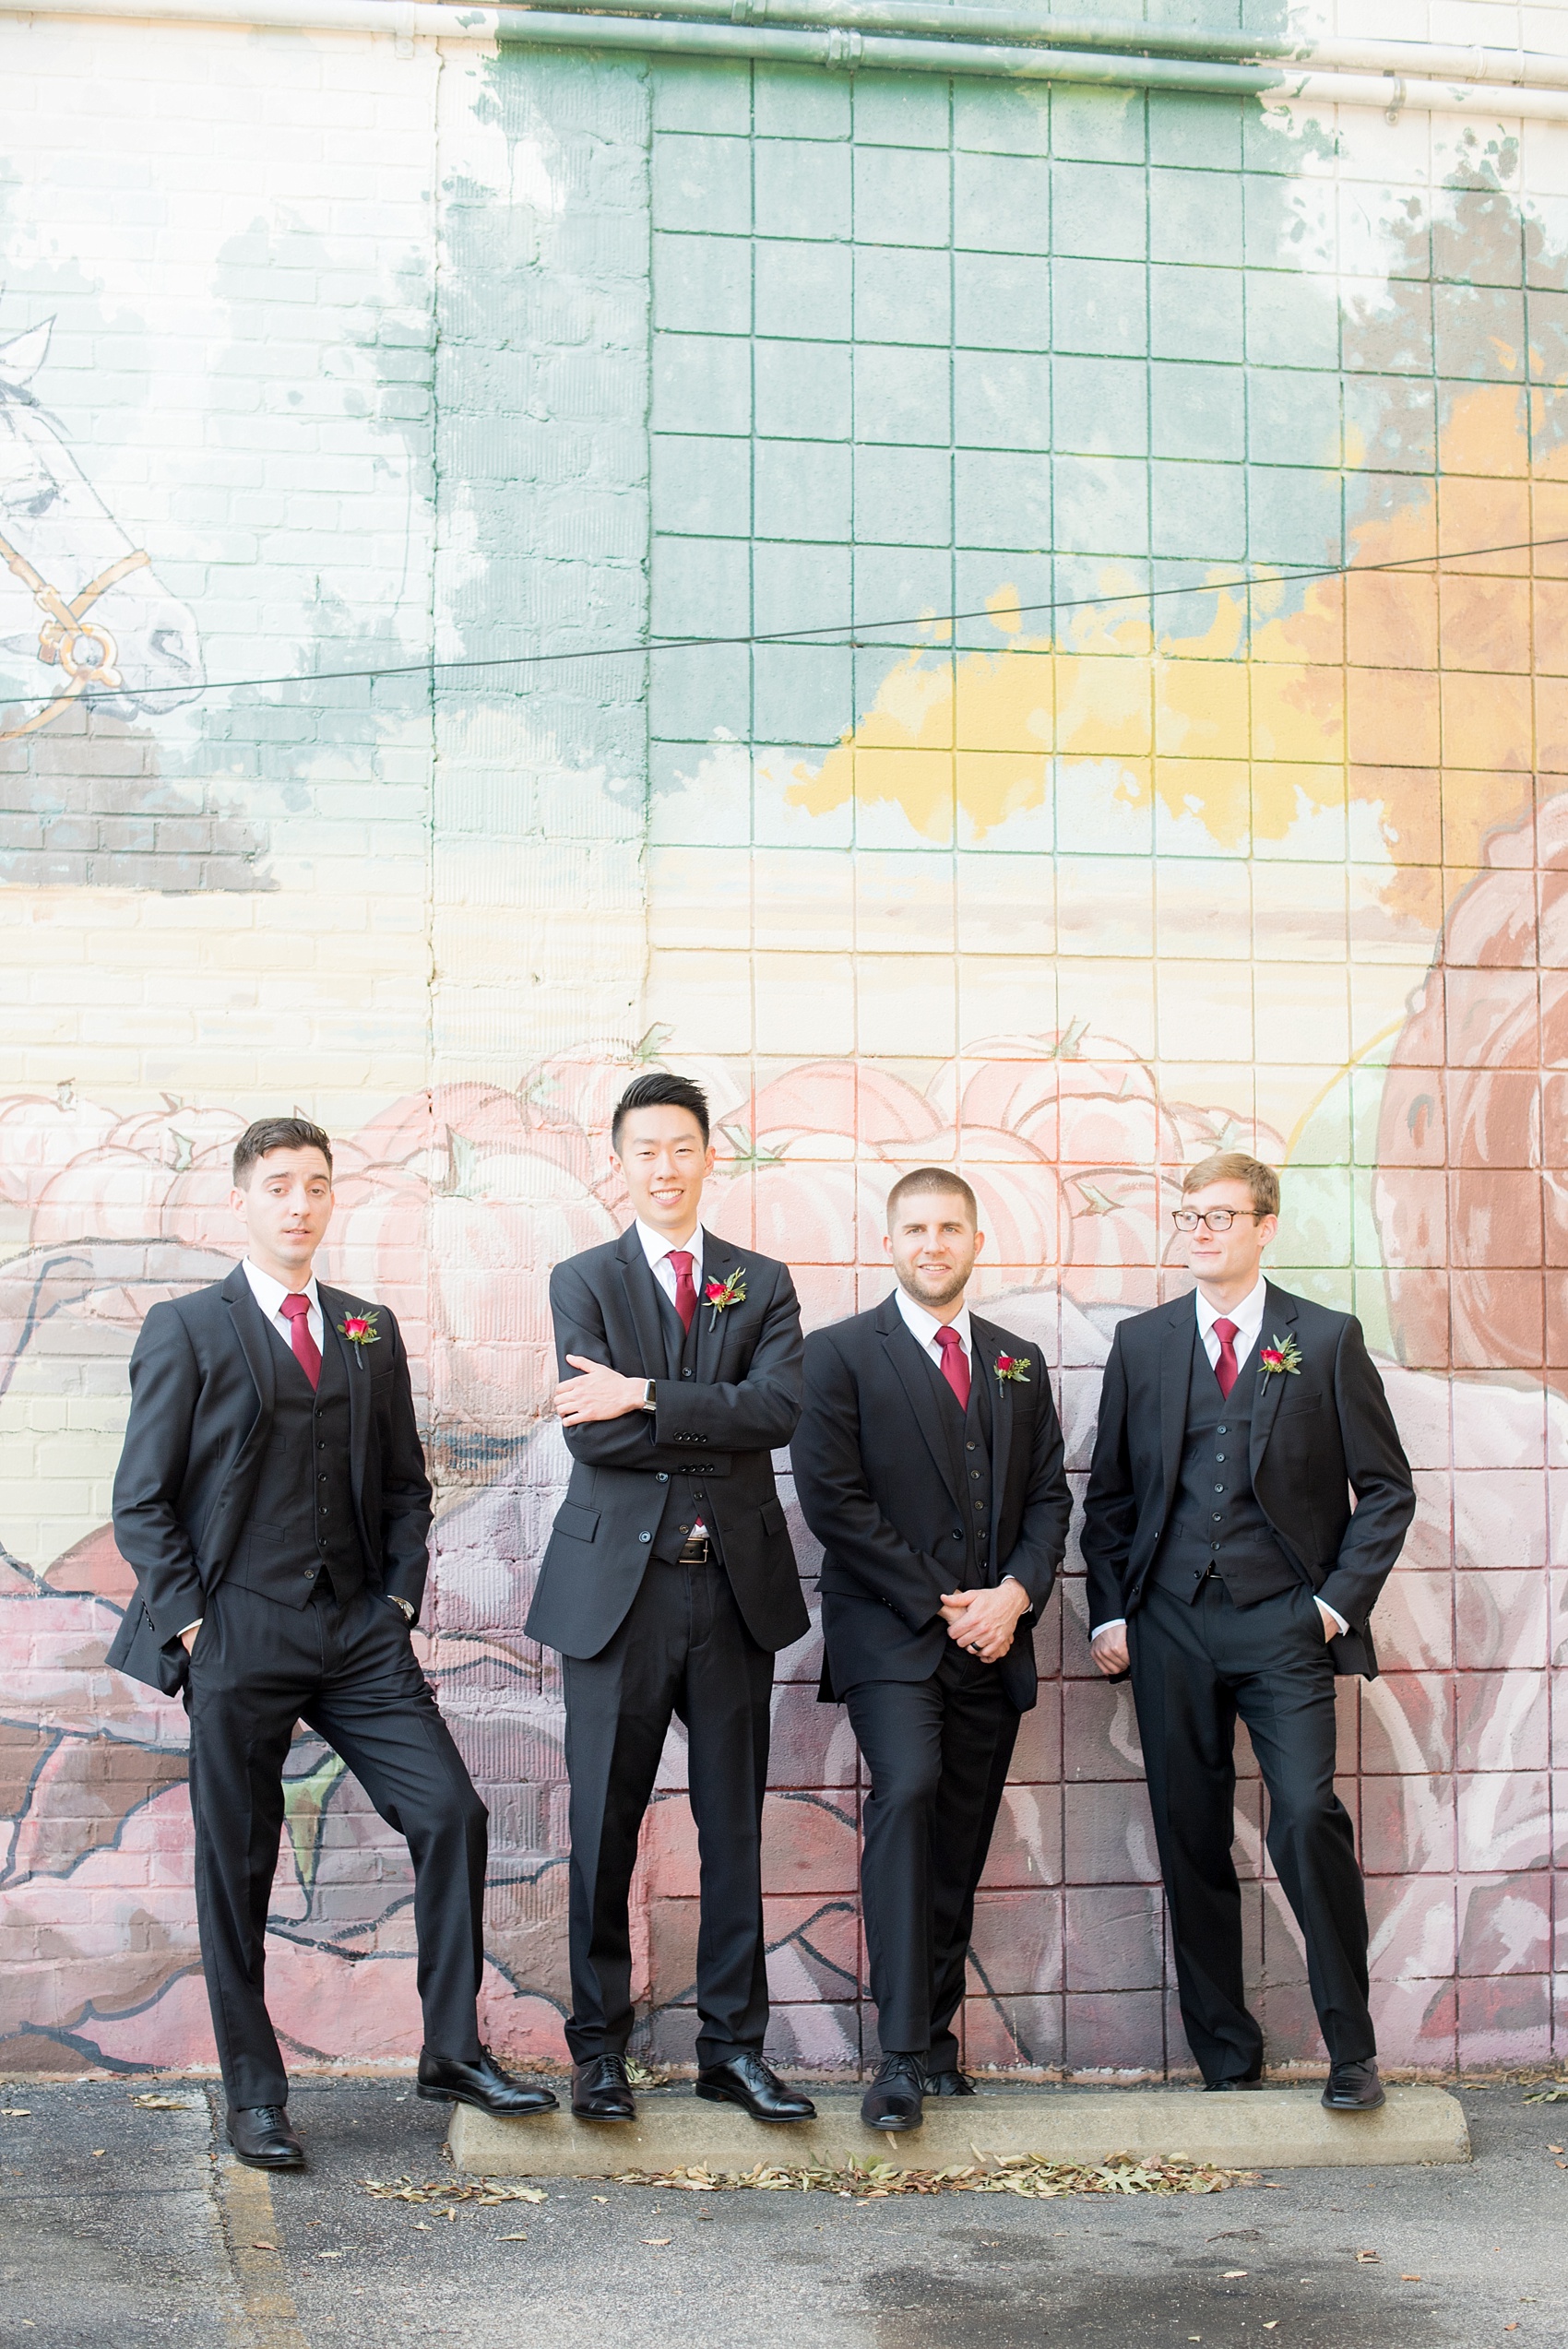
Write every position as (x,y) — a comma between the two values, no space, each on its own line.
(685,1291)
(305,1353)
(954,1369)
(1225,1370)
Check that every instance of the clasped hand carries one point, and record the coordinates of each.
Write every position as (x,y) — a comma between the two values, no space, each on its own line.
(599,1393)
(984,1621)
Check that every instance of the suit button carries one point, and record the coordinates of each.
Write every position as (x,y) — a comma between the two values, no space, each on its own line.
(645,1536)
(956,1538)
(975,1473)
(661,1479)
(1218,1517)
(1220,1458)
(1219,1487)
(1222,1431)
(971,1447)
(685,1374)
(685,1529)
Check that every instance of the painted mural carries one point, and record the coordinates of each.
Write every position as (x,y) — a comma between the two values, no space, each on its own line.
(1105,561)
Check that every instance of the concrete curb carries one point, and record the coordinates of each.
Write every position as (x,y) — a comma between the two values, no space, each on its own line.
(1271,2129)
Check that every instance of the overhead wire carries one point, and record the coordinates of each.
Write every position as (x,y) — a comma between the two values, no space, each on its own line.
(864,635)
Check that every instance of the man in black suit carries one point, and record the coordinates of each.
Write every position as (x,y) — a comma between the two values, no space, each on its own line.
(272,1500)
(929,1464)
(668,1585)
(1228,1570)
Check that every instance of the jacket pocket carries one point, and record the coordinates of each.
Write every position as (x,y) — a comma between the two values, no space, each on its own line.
(578,1525)
(773,1518)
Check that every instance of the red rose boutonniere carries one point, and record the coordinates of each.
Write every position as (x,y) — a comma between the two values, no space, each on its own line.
(361,1331)
(1283,1355)
(1013,1369)
(720,1293)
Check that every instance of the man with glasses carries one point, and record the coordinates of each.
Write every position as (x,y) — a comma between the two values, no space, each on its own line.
(1228,1574)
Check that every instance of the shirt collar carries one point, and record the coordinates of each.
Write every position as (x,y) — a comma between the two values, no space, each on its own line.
(922,1325)
(269,1293)
(655,1247)
(1247,1315)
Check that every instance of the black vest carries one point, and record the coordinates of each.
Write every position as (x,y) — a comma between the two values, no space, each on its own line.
(1215,1520)
(301,1520)
(684,1504)
(968,1455)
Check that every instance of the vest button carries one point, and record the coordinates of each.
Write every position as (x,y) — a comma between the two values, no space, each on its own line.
(1219,1487)
(645,1536)
(1219,1457)
(971,1447)
(1218,1515)
(975,1474)
(1222,1431)
(685,1374)
(661,1479)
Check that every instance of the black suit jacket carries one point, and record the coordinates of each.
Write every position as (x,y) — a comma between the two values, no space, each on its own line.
(723,1425)
(1319,1433)
(874,1472)
(202,1392)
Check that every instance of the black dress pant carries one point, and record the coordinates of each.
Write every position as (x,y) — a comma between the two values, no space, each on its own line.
(682,1652)
(349,1672)
(937,1750)
(1196,1665)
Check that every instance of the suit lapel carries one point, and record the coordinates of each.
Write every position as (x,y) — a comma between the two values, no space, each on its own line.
(719,1260)
(986,1345)
(642,1302)
(1175,1383)
(904,1356)
(250,1329)
(1278,1316)
(335,1304)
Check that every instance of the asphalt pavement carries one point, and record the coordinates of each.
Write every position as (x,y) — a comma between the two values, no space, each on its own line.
(128,2224)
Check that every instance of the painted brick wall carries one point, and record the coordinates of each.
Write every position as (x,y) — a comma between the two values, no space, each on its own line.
(1194,477)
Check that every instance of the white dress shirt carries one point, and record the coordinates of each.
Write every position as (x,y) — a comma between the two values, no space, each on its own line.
(269,1295)
(922,1325)
(658,1250)
(1248,1318)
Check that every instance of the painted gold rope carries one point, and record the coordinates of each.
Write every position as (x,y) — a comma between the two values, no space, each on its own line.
(66,630)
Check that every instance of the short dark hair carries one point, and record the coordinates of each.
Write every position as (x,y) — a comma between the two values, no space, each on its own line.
(659,1090)
(922,1180)
(277,1134)
(1235,1166)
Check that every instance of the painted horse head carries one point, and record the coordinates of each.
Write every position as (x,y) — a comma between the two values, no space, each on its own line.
(64,554)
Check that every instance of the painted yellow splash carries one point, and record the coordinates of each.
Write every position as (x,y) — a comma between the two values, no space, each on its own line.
(1431,695)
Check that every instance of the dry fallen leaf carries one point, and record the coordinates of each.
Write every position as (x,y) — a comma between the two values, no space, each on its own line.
(329,2255)
(601,2198)
(453,2216)
(658,2242)
(99,2151)
(264,2246)
(1231,2273)
(17,2112)
(1409,2279)
(1369,2255)
(1554,2149)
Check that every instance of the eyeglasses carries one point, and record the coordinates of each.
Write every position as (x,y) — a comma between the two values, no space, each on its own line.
(1217,1218)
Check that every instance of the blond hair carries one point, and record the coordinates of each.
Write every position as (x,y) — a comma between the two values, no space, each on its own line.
(1234,1165)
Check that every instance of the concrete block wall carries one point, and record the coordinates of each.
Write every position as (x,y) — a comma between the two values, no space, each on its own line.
(1193,475)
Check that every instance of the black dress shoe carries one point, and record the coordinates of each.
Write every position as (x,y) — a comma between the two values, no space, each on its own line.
(947,2083)
(894,2098)
(262,2137)
(1353,2088)
(746,2080)
(600,2090)
(483,2083)
(1232,2080)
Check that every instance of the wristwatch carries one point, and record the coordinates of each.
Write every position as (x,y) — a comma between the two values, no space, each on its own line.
(650,1400)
